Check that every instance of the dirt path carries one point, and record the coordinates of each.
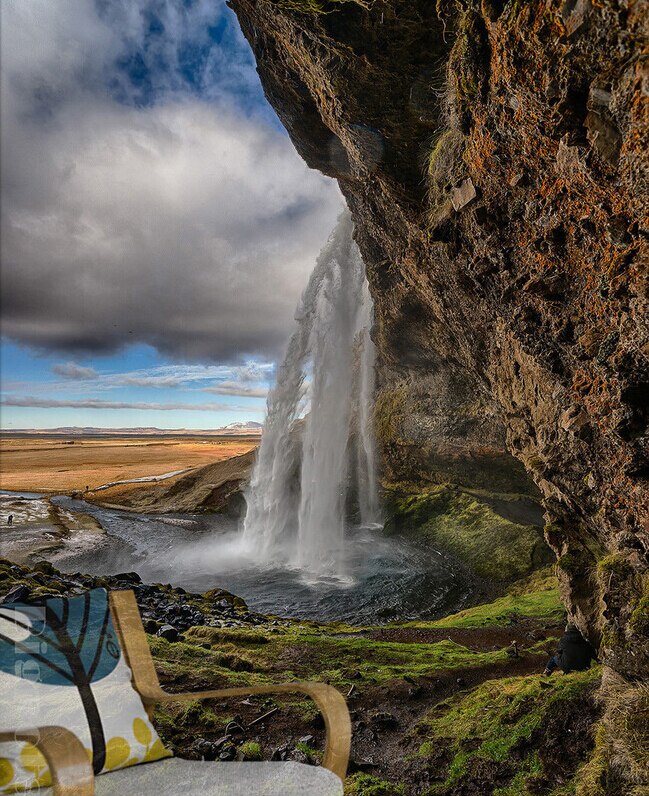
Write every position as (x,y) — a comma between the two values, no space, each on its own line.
(524,633)
(380,745)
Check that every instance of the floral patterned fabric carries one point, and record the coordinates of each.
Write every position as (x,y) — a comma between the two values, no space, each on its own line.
(61,664)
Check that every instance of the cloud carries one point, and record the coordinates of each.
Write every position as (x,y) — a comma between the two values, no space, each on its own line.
(254,371)
(147,381)
(52,403)
(159,211)
(70,370)
(236,388)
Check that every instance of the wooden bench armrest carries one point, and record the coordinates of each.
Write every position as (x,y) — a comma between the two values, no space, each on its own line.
(67,759)
(331,703)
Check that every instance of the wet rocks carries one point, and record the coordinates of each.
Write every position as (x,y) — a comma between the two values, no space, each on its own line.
(168,632)
(569,161)
(128,577)
(604,137)
(574,14)
(309,740)
(204,749)
(281,752)
(574,419)
(166,611)
(299,756)
(384,719)
(463,194)
(17,594)
(228,753)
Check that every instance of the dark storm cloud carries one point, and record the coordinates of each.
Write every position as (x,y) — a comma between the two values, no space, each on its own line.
(155,212)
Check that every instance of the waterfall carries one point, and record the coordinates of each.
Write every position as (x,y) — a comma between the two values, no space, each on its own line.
(298,493)
(368,493)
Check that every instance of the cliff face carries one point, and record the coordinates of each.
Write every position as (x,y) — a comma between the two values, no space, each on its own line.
(491,153)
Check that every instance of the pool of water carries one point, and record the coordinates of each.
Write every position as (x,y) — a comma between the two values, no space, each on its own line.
(386,578)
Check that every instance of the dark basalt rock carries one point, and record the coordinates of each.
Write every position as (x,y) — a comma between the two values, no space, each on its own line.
(517,316)
(17,595)
(521,314)
(168,632)
(166,611)
(128,577)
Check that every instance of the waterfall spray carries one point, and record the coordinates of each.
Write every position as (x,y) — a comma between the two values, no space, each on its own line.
(368,493)
(298,491)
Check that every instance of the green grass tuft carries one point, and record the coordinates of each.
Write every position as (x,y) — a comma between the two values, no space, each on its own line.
(369,785)
(543,603)
(223,635)
(251,750)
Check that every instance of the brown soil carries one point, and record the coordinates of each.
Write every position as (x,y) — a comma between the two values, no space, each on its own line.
(524,633)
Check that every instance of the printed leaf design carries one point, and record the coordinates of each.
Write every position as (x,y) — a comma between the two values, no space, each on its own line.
(32,759)
(6,772)
(118,751)
(66,636)
(155,752)
(142,732)
(67,642)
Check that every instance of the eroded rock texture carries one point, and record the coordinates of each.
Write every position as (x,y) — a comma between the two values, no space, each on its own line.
(492,155)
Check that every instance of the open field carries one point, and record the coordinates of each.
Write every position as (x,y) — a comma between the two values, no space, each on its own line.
(46,464)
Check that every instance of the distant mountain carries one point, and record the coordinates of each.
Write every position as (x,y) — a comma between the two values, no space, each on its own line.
(249,425)
(247,428)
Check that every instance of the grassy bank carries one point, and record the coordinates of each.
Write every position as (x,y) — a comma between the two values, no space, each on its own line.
(436,716)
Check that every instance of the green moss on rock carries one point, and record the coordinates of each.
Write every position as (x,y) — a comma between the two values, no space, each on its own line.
(537,598)
(640,617)
(222,635)
(616,564)
(190,665)
(317,6)
(492,546)
(389,408)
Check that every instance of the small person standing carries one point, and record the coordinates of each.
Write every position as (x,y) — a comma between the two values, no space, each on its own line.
(574,655)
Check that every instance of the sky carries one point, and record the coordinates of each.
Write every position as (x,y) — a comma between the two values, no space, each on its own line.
(157,225)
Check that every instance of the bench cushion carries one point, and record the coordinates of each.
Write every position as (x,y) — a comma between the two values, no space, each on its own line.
(176,777)
(61,664)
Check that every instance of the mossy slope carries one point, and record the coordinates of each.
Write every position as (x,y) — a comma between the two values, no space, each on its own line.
(495,548)
(459,711)
(498,728)
(536,597)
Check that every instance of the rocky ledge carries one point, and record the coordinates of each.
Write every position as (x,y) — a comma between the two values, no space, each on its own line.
(166,611)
